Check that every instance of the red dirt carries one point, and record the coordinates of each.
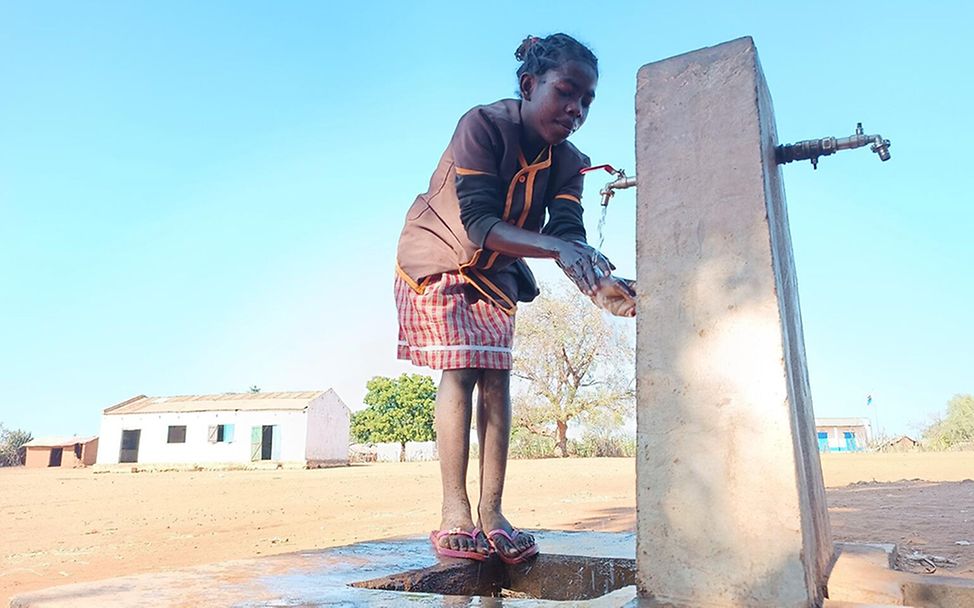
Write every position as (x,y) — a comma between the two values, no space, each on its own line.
(69,526)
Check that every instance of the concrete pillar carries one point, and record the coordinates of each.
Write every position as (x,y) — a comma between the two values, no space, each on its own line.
(731,503)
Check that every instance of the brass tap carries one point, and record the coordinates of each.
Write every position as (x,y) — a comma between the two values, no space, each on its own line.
(619,183)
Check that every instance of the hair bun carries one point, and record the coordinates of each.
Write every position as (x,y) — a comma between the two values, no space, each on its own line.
(526,44)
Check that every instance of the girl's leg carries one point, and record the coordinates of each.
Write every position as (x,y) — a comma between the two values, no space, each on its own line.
(453,411)
(494,432)
(481,430)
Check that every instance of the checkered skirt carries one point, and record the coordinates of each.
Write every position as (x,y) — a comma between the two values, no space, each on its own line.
(444,328)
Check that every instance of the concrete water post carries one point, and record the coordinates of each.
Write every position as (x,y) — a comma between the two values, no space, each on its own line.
(730,497)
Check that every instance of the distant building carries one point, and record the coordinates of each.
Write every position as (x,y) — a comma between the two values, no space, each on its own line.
(64,452)
(903,443)
(306,428)
(843,434)
(413,451)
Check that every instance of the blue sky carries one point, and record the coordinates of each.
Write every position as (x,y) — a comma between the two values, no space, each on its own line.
(199,197)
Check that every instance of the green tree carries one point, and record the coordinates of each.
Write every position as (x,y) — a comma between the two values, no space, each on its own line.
(11,444)
(954,429)
(399,409)
(577,364)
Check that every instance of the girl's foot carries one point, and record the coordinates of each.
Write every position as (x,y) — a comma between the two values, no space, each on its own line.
(459,535)
(512,545)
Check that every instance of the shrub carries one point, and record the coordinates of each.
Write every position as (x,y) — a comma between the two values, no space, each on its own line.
(525,444)
(601,445)
(11,446)
(956,429)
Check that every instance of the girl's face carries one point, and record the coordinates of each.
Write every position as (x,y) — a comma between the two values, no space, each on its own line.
(555,104)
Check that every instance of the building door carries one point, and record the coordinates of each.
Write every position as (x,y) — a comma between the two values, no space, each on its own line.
(276,438)
(255,443)
(850,441)
(129,451)
(55,460)
(267,442)
(823,441)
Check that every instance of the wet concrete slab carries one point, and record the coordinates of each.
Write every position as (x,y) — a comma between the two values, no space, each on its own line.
(323,578)
(863,576)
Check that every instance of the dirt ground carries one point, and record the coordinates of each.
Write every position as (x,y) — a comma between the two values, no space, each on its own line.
(68,526)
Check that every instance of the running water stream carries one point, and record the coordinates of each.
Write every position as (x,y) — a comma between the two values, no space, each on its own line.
(605,208)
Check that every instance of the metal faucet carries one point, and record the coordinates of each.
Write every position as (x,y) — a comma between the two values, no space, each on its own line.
(812,149)
(621,182)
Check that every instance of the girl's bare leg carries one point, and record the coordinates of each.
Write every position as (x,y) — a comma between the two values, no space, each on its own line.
(494,433)
(453,412)
(481,429)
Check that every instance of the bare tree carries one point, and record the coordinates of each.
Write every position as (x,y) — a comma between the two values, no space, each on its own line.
(575,360)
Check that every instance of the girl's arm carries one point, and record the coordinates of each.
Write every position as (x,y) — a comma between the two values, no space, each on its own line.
(573,257)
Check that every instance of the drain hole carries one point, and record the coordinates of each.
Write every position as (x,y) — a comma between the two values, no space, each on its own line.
(548,577)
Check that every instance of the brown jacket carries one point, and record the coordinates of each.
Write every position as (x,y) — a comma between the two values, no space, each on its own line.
(483,178)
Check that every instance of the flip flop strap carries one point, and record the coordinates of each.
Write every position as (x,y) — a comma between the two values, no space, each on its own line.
(504,533)
(455,531)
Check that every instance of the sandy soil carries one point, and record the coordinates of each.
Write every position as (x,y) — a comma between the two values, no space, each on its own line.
(67,526)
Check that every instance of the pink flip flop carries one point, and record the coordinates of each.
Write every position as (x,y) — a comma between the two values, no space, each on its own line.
(521,557)
(436,535)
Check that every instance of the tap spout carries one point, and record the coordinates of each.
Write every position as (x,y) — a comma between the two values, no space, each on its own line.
(620,183)
(812,149)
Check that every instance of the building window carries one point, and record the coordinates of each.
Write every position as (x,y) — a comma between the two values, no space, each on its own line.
(221,433)
(823,441)
(177,434)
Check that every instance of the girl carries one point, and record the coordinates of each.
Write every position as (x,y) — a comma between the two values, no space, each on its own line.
(460,272)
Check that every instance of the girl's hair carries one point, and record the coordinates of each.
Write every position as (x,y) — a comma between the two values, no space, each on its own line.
(538,55)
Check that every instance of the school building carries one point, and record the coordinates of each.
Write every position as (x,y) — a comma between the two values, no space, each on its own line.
(843,434)
(308,428)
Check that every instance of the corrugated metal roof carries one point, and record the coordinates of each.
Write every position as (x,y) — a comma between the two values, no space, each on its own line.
(841,422)
(58,442)
(295,401)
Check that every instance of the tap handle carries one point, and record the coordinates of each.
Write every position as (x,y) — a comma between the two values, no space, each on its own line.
(608,169)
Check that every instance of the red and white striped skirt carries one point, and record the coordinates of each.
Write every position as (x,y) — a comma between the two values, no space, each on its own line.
(444,328)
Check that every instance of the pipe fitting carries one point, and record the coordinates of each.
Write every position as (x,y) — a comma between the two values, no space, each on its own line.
(812,149)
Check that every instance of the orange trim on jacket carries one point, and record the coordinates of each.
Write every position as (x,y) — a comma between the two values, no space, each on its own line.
(529,187)
(419,288)
(462,171)
(531,171)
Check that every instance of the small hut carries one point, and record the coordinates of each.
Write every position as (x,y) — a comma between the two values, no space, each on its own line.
(903,443)
(65,452)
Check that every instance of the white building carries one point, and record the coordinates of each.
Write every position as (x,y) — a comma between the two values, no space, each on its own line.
(309,428)
(843,434)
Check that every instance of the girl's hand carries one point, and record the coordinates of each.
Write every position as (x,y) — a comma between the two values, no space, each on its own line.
(584,265)
(617,296)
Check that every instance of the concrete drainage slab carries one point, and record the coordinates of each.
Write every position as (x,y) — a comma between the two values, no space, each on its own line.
(863,576)
(579,563)
(594,569)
